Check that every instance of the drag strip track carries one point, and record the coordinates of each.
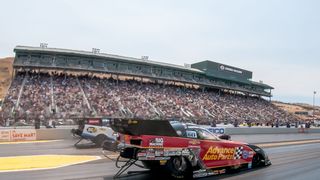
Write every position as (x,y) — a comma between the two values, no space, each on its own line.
(289,162)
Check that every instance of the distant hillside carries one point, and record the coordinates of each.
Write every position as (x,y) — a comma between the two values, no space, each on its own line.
(303,111)
(5,75)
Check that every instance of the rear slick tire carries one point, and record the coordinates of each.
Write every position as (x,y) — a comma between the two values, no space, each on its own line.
(179,167)
(98,140)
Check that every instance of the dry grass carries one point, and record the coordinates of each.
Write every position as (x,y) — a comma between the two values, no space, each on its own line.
(292,108)
(5,75)
(289,107)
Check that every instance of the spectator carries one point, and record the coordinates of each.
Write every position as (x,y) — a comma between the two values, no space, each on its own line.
(60,95)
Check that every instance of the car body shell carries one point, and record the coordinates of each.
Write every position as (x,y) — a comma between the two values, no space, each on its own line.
(96,130)
(148,141)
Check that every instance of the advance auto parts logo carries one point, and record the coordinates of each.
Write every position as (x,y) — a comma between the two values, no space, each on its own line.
(216,153)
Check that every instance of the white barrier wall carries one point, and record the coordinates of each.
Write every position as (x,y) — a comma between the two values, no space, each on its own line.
(50,134)
(53,134)
(252,130)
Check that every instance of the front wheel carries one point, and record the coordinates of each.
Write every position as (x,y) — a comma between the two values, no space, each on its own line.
(179,167)
(257,160)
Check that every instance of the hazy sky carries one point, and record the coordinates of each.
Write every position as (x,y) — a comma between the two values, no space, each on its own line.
(276,39)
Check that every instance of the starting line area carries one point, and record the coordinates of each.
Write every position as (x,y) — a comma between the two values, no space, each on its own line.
(16,155)
(39,162)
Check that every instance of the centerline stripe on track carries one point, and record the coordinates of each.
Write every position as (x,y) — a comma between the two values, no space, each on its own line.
(277,144)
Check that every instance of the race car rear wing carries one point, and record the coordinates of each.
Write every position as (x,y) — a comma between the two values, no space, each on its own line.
(136,127)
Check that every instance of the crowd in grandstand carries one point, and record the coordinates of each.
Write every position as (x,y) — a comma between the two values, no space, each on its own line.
(39,95)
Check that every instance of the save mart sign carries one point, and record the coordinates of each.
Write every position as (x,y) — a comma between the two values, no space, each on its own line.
(17,135)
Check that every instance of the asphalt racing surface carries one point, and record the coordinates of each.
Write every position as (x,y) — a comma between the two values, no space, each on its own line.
(288,162)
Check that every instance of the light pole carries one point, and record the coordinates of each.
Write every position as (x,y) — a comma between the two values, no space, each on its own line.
(314,94)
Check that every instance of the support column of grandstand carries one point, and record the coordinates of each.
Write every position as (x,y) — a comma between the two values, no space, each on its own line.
(69,99)
(10,101)
(84,95)
(20,91)
(102,95)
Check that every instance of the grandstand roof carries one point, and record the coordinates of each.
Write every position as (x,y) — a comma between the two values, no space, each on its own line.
(102,55)
(262,84)
(204,70)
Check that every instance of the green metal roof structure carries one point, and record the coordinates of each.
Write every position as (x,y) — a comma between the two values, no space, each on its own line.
(207,73)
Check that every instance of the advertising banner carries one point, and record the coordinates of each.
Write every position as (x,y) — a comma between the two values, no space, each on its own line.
(217,130)
(18,135)
(4,135)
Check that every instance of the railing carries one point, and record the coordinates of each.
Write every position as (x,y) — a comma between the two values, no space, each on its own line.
(20,91)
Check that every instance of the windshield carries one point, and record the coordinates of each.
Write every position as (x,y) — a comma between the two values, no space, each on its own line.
(199,133)
(207,135)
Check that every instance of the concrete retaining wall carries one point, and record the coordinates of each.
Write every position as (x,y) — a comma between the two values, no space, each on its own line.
(50,134)
(53,134)
(242,131)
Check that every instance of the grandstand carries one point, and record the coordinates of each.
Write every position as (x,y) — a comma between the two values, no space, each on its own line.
(52,83)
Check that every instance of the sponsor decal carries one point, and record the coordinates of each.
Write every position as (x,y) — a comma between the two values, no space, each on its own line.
(194,142)
(226,68)
(192,134)
(141,154)
(177,152)
(4,135)
(94,121)
(185,152)
(159,153)
(150,154)
(162,158)
(251,153)
(153,158)
(217,130)
(158,142)
(201,173)
(132,121)
(245,154)
(172,153)
(218,153)
(219,171)
(91,129)
(238,152)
